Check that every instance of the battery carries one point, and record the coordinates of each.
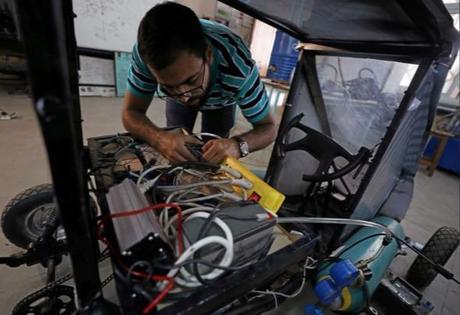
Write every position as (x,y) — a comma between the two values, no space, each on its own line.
(252,237)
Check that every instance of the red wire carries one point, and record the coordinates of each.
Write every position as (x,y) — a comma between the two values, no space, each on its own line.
(170,281)
(160,296)
(146,209)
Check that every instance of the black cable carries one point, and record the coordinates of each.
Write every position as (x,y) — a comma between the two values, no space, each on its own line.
(141,263)
(138,289)
(348,248)
(200,262)
(184,165)
(236,218)
(203,231)
(440,269)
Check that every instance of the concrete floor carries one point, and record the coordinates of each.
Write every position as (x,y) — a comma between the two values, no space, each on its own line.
(24,164)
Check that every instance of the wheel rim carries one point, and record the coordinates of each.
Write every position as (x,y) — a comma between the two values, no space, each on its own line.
(36,220)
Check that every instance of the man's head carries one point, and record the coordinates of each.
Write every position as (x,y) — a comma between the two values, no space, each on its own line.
(172,43)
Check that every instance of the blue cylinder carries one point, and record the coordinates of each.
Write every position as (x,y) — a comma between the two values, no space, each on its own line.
(344,273)
(311,309)
(372,250)
(326,291)
(283,57)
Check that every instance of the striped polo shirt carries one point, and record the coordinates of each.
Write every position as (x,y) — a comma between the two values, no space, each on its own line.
(234,75)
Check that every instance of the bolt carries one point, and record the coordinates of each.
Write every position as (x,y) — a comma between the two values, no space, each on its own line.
(160,250)
(134,295)
(150,238)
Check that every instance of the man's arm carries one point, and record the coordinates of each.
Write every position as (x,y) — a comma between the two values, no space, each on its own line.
(134,118)
(262,134)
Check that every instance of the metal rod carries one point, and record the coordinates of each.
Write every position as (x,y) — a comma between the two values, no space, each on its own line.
(46,33)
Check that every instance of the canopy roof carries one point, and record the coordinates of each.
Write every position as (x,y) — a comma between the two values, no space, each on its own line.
(403,26)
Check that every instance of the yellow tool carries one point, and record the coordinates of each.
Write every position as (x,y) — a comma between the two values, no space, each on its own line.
(261,192)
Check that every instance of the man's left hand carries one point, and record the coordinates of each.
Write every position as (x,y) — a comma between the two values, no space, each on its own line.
(216,150)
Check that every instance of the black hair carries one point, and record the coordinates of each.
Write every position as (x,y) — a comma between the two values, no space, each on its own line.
(166,30)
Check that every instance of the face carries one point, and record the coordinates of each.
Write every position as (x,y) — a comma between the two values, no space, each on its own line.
(186,79)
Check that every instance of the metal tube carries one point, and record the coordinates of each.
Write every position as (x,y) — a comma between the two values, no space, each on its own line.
(387,231)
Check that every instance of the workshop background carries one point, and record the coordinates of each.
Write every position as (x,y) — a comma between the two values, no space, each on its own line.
(105,32)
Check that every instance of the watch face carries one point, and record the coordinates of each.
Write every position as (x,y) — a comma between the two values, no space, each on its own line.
(244,148)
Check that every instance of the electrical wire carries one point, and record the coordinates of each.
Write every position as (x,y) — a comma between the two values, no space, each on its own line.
(192,249)
(150,170)
(313,220)
(137,212)
(203,231)
(309,264)
(170,285)
(194,185)
(140,263)
(191,281)
(206,263)
(206,134)
(440,269)
(159,278)
(170,223)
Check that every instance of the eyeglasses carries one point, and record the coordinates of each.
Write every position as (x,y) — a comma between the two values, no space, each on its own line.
(165,93)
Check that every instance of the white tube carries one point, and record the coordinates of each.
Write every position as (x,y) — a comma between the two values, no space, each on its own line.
(336,221)
(188,186)
(190,280)
(198,245)
(149,170)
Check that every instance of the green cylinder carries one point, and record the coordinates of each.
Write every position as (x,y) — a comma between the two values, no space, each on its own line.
(379,258)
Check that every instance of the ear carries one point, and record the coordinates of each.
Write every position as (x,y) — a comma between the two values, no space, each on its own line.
(209,54)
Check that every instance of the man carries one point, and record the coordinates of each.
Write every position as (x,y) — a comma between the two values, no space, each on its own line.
(196,65)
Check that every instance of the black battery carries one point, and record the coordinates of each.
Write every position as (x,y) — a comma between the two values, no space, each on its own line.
(251,226)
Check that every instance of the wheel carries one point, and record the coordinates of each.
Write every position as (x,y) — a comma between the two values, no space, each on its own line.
(439,248)
(59,300)
(25,216)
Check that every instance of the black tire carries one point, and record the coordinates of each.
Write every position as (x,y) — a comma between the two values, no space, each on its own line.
(24,217)
(439,248)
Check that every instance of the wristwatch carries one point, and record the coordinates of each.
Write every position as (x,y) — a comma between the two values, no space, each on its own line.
(243,145)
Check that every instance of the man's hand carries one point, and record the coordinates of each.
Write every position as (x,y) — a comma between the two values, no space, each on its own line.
(216,150)
(172,146)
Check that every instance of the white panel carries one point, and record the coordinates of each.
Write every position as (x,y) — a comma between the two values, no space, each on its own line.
(96,91)
(96,71)
(263,37)
(109,24)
